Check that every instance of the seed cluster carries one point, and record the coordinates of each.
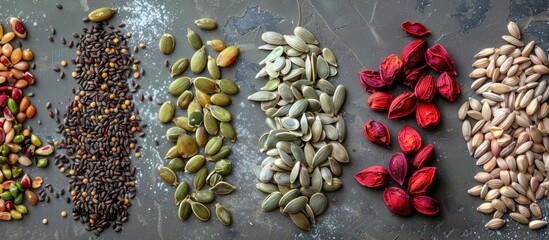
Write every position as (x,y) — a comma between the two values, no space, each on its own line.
(98,130)
(510,137)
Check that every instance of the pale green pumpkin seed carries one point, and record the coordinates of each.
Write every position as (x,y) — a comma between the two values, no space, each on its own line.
(177,164)
(273,38)
(318,203)
(228,131)
(199,179)
(186,146)
(301,221)
(223,214)
(195,163)
(270,203)
(185,99)
(167,110)
(203,196)
(222,188)
(222,153)
(168,176)
(173,133)
(295,205)
(228,86)
(202,98)
(195,119)
(288,196)
(305,35)
(213,69)
(327,104)
(325,86)
(329,56)
(271,85)
(214,178)
(262,96)
(221,99)
(267,188)
(184,210)
(210,123)
(181,192)
(205,85)
(198,60)
(275,53)
(296,43)
(339,98)
(200,211)
(201,136)
(179,66)
(322,68)
(213,145)
(297,108)
(220,113)
(205,23)
(223,167)
(166,44)
(194,40)
(183,122)
(179,85)
(336,185)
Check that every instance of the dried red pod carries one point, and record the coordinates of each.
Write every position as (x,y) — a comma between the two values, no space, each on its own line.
(426,205)
(402,105)
(371,80)
(414,28)
(425,155)
(412,75)
(427,115)
(413,53)
(398,201)
(390,69)
(409,140)
(398,167)
(380,101)
(447,87)
(377,132)
(373,177)
(439,60)
(425,88)
(421,181)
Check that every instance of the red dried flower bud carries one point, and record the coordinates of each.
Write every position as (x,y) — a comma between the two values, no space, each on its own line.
(402,105)
(380,101)
(409,140)
(426,205)
(414,28)
(439,60)
(427,115)
(426,88)
(425,155)
(373,177)
(377,132)
(413,53)
(390,69)
(398,167)
(447,87)
(371,80)
(398,201)
(412,75)
(421,181)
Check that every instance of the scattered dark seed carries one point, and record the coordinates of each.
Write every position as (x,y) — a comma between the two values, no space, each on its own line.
(56,69)
(53,32)
(121,25)
(62,75)
(31,94)
(59,6)
(48,105)
(63,40)
(71,44)
(33,66)
(50,38)
(166,63)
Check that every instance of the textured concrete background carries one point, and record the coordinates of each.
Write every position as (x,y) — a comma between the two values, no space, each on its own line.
(360,33)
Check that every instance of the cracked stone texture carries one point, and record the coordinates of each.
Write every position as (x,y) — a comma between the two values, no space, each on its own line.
(360,33)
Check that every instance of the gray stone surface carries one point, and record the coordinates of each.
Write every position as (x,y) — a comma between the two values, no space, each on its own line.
(360,33)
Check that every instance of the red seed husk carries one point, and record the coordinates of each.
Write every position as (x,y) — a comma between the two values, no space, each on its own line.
(447,87)
(439,60)
(413,53)
(398,201)
(398,167)
(427,115)
(412,75)
(371,80)
(377,132)
(402,105)
(426,205)
(425,88)
(373,177)
(380,101)
(409,140)
(421,181)
(414,28)
(425,155)
(390,69)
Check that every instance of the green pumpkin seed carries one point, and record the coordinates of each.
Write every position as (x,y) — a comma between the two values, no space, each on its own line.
(205,85)
(223,214)
(296,43)
(227,130)
(198,61)
(201,136)
(329,56)
(316,180)
(267,188)
(179,66)
(271,85)
(274,54)
(179,85)
(194,40)
(195,163)
(214,178)
(223,167)
(270,203)
(213,69)
(305,35)
(195,119)
(202,98)
(183,122)
(262,96)
(304,177)
(339,98)
(339,153)
(210,123)
(301,221)
(298,108)
(222,188)
(222,153)
(318,203)
(173,133)
(199,179)
(288,196)
(200,211)
(296,205)
(101,14)
(213,145)
(273,38)
(294,174)
(220,113)
(167,44)
(327,104)
(309,212)
(185,99)
(194,106)
(221,99)
(167,110)
(184,210)
(168,176)
(206,23)
(177,164)
(186,146)
(322,68)
(336,185)
(228,86)
(203,196)
(325,86)
(173,152)
(181,192)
